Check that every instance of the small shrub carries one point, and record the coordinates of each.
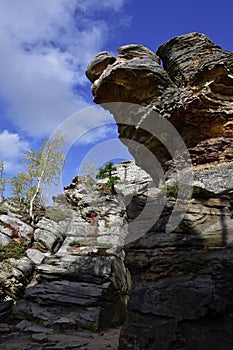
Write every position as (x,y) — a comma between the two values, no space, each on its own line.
(170,190)
(74,244)
(108,173)
(199,192)
(178,80)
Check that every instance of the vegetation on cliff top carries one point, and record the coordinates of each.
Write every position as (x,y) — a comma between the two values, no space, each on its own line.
(42,168)
(108,173)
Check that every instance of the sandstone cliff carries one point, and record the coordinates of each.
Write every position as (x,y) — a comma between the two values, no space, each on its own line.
(192,89)
(182,278)
(95,261)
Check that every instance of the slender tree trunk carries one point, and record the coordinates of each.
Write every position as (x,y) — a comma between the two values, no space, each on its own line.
(34,197)
(37,189)
(113,191)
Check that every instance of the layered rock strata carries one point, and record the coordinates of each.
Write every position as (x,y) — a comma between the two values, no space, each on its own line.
(182,279)
(192,90)
(71,276)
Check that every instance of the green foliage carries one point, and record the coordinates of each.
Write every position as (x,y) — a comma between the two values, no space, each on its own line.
(20,186)
(171,190)
(46,163)
(13,249)
(108,172)
(178,80)
(88,243)
(42,168)
(75,244)
(199,192)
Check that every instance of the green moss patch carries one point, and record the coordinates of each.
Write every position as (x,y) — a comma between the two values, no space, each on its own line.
(13,249)
(198,192)
(57,215)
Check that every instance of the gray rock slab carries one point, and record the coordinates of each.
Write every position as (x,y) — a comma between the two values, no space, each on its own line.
(35,255)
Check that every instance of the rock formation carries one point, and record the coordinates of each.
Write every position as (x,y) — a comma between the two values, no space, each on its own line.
(95,261)
(193,91)
(182,280)
(67,273)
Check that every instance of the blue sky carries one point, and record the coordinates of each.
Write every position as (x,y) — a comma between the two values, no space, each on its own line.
(45,48)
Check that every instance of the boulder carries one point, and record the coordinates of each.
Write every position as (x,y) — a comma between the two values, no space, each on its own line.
(11,225)
(15,275)
(48,235)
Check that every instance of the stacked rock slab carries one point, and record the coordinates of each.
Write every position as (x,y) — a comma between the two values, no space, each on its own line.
(81,281)
(182,280)
(72,278)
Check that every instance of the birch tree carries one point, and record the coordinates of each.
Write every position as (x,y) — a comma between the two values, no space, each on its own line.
(19,186)
(43,167)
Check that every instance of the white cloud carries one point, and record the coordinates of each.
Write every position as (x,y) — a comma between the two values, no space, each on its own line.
(96,134)
(45,48)
(115,5)
(87,126)
(11,150)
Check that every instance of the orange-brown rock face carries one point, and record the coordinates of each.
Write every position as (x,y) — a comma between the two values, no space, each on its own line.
(135,75)
(182,279)
(192,89)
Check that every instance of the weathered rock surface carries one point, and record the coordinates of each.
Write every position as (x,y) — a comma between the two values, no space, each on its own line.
(11,226)
(177,277)
(193,90)
(85,291)
(136,66)
(74,276)
(75,272)
(49,235)
(182,280)
(27,336)
(15,275)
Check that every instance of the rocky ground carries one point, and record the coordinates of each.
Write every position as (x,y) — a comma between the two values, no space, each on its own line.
(27,336)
